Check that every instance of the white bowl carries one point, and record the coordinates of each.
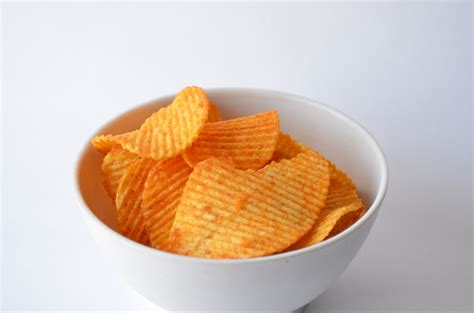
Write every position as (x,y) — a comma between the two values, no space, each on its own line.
(278,283)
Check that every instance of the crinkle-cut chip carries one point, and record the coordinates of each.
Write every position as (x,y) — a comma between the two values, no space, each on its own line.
(229,213)
(342,199)
(323,226)
(172,129)
(248,141)
(163,189)
(169,116)
(308,170)
(114,166)
(339,178)
(105,143)
(346,221)
(128,201)
(287,147)
(214,115)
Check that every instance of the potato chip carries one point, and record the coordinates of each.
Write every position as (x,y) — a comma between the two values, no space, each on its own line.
(346,221)
(103,143)
(306,162)
(128,201)
(114,166)
(214,115)
(229,213)
(287,148)
(324,224)
(163,189)
(339,179)
(248,141)
(187,182)
(342,199)
(172,129)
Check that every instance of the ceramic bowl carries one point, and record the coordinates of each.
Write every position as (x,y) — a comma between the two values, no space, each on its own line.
(278,283)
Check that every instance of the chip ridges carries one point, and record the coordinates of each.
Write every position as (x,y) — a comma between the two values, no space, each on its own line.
(172,129)
(230,213)
(103,143)
(249,141)
(163,189)
(346,221)
(313,171)
(287,147)
(128,201)
(342,199)
(114,166)
(186,182)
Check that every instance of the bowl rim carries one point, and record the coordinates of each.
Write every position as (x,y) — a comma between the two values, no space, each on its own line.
(381,191)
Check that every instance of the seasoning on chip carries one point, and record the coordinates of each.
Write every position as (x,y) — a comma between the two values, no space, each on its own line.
(190,183)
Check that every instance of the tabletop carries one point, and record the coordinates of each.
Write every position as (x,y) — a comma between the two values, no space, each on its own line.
(403,70)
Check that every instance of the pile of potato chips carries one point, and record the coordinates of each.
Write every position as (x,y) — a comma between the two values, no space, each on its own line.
(188,183)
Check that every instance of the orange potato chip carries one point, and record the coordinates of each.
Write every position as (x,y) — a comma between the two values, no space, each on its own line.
(229,213)
(339,179)
(114,166)
(103,143)
(163,189)
(346,221)
(172,129)
(342,199)
(253,191)
(214,115)
(287,147)
(324,224)
(248,141)
(128,201)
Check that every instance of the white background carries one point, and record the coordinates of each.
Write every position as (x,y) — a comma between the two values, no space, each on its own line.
(402,70)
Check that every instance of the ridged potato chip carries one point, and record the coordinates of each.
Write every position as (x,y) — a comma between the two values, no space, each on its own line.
(287,147)
(114,166)
(229,213)
(342,199)
(346,221)
(128,201)
(103,143)
(324,224)
(172,129)
(186,182)
(214,115)
(248,141)
(163,189)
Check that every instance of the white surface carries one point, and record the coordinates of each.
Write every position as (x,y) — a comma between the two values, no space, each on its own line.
(402,70)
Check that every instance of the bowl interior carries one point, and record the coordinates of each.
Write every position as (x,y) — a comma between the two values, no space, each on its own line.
(334,135)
